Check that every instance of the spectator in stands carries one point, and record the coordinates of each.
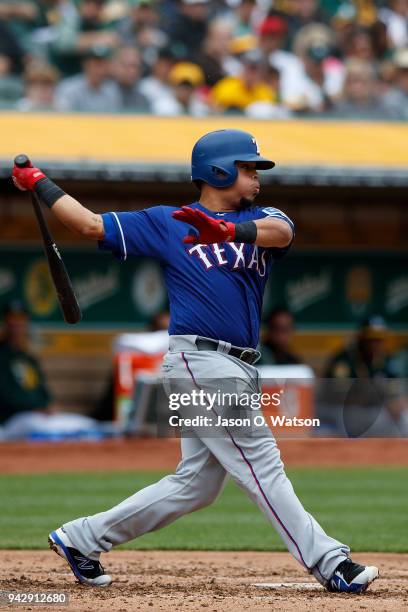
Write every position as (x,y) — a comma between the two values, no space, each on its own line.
(314,94)
(56,21)
(245,14)
(378,407)
(22,383)
(322,74)
(186,79)
(272,35)
(215,58)
(343,24)
(396,99)
(395,18)
(269,110)
(40,82)
(272,41)
(91,91)
(359,45)
(79,31)
(25,401)
(141,27)
(302,13)
(21,17)
(157,85)
(215,35)
(366,357)
(126,68)
(359,97)
(189,28)
(11,52)
(276,348)
(235,94)
(11,63)
(378,33)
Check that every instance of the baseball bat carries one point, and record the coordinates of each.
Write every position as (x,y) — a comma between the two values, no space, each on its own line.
(65,293)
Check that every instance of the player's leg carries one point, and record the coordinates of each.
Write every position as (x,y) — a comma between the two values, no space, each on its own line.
(255,464)
(196,483)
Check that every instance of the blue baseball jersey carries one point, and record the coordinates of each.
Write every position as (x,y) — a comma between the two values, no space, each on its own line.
(214,290)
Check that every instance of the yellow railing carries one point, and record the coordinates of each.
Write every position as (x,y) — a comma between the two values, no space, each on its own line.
(169,140)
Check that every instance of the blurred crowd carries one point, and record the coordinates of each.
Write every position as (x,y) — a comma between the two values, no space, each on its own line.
(261,58)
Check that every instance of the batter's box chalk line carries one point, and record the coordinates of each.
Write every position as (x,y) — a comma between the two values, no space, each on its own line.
(298,586)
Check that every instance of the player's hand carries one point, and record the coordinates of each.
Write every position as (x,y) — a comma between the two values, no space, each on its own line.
(209,230)
(26,178)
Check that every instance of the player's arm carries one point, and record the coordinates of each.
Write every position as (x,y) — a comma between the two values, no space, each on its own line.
(273,233)
(79,219)
(69,211)
(268,231)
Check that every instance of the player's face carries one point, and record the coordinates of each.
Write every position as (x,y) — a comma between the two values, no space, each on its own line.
(247,184)
(239,195)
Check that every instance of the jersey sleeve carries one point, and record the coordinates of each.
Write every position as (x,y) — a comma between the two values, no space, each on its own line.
(142,233)
(275,213)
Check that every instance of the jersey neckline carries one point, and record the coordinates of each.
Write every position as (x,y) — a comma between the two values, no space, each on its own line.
(217,213)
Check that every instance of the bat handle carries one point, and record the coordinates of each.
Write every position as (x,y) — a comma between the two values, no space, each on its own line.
(22,161)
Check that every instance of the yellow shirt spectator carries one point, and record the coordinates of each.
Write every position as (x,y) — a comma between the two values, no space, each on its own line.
(232,92)
(239,92)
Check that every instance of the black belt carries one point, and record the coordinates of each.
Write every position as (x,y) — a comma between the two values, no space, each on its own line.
(247,355)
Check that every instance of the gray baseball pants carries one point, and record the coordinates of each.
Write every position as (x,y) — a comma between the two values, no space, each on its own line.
(253,461)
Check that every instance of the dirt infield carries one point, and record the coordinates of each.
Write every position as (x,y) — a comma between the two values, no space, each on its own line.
(163,454)
(217,581)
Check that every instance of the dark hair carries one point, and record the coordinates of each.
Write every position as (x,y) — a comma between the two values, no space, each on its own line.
(166,53)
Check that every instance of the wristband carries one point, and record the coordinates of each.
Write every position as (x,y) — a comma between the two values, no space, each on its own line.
(246,232)
(48,191)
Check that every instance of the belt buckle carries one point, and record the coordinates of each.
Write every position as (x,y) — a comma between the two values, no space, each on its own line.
(246,356)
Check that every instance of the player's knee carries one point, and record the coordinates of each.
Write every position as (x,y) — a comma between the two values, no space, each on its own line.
(198,490)
(206,497)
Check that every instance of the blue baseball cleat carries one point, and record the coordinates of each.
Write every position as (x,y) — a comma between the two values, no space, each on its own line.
(350,577)
(86,570)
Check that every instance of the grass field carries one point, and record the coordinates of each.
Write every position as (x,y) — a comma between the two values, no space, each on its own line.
(365,508)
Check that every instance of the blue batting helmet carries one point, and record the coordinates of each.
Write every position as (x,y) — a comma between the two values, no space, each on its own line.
(214,157)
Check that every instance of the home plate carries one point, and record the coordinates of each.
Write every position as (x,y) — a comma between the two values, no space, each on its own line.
(299,586)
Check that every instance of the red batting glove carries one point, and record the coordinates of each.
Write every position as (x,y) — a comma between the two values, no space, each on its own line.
(209,230)
(27,178)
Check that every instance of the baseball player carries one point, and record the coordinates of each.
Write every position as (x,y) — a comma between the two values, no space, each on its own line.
(216,255)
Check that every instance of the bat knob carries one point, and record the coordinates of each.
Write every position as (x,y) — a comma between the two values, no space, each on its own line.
(22,161)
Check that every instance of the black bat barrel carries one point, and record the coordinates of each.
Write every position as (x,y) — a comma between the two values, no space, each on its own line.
(65,293)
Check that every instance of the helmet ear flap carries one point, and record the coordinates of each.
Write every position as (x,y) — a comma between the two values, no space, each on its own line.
(219,172)
(223,177)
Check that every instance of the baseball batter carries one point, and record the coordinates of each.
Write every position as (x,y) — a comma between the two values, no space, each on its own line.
(216,255)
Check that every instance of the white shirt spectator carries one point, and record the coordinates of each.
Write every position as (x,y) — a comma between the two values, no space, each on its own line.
(297,90)
(291,76)
(153,89)
(169,106)
(397,27)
